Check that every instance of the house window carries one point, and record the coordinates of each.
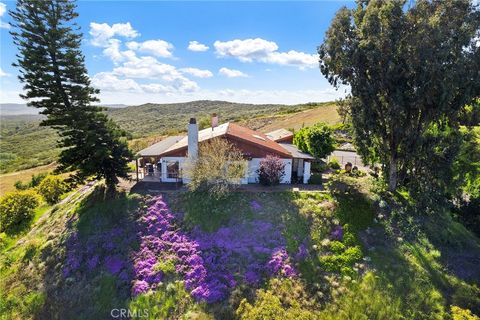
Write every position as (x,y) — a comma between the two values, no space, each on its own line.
(172,169)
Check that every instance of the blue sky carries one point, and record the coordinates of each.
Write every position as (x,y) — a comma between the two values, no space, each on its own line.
(155,51)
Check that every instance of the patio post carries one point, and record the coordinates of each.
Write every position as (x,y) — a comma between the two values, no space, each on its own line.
(136,167)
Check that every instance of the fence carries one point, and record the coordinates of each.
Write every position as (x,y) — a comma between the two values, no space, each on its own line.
(344,157)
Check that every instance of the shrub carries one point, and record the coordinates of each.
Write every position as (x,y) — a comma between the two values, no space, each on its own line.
(285,299)
(315,178)
(319,166)
(17,208)
(271,171)
(34,181)
(51,188)
(219,168)
(316,140)
(462,314)
(333,163)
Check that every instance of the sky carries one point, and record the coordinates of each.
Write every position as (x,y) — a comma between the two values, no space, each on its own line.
(157,51)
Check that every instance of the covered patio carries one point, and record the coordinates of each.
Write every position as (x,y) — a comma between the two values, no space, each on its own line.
(149,166)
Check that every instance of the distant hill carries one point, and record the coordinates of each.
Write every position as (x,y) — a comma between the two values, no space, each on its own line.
(154,118)
(13,109)
(23,144)
(10,109)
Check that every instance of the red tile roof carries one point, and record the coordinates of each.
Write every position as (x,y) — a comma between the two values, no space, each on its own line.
(257,138)
(234,131)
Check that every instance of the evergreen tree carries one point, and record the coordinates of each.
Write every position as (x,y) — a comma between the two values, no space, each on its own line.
(52,68)
(411,70)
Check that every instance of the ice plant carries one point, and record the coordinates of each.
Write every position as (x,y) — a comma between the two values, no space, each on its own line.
(210,263)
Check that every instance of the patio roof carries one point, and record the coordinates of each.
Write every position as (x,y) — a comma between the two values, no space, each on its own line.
(295,152)
(279,134)
(159,147)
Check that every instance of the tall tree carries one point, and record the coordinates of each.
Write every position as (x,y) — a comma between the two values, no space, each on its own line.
(411,69)
(52,68)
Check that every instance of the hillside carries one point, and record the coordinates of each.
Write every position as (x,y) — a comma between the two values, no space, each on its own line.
(151,118)
(319,255)
(24,144)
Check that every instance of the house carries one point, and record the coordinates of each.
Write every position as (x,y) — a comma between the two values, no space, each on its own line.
(165,161)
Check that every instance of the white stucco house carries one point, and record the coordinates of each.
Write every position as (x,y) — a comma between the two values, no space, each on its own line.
(165,161)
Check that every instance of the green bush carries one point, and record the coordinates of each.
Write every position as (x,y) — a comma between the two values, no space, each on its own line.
(333,163)
(17,208)
(285,299)
(316,140)
(51,188)
(315,178)
(318,166)
(34,181)
(462,314)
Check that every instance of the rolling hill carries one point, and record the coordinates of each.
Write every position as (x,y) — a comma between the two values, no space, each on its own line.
(24,144)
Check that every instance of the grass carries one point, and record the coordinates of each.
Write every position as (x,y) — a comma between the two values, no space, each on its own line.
(381,268)
(8,180)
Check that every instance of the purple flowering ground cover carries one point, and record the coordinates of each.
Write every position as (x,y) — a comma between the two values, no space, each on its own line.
(137,253)
(211,264)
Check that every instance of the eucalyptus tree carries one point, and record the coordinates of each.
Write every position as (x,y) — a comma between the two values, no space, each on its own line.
(411,68)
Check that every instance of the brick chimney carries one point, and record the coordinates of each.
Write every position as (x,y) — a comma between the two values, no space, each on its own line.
(214,120)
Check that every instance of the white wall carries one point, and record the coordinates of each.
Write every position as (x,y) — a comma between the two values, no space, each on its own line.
(306,171)
(251,175)
(254,164)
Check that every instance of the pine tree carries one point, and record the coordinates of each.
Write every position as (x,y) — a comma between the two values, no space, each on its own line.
(52,68)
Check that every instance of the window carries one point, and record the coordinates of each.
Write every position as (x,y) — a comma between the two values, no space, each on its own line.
(172,169)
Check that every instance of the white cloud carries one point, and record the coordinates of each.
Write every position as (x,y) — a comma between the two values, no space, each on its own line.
(102,32)
(198,72)
(231,73)
(158,48)
(147,67)
(261,50)
(156,88)
(197,46)
(246,50)
(3,73)
(293,58)
(110,82)
(3,9)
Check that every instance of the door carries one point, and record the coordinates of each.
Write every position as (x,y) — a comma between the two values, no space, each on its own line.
(173,168)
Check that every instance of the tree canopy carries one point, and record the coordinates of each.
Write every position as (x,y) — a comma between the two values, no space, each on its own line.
(411,70)
(316,140)
(52,68)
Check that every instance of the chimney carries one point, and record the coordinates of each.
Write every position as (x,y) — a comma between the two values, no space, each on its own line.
(214,120)
(192,139)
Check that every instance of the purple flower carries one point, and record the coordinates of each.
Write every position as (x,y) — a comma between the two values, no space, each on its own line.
(208,261)
(337,233)
(113,264)
(255,205)
(92,262)
(302,252)
(139,286)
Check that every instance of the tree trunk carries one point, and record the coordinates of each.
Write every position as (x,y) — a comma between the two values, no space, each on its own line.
(393,175)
